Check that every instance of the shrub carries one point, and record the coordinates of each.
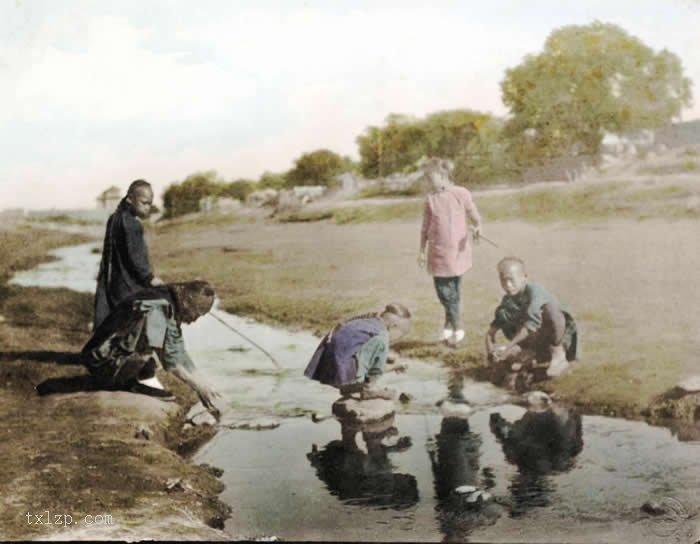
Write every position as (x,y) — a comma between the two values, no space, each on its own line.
(239,189)
(270,180)
(318,168)
(182,198)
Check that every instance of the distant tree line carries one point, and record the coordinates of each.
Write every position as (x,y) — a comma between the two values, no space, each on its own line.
(183,197)
(318,167)
(587,81)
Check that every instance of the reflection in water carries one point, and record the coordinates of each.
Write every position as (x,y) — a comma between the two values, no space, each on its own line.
(366,478)
(455,385)
(454,459)
(541,443)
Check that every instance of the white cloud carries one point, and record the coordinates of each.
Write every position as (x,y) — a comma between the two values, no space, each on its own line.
(116,78)
(97,93)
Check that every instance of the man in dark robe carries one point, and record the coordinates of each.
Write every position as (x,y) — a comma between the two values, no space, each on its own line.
(125,267)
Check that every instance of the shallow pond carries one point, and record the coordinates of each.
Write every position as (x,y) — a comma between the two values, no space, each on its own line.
(551,483)
(553,475)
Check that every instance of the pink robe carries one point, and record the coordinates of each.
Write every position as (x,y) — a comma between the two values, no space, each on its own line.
(445,230)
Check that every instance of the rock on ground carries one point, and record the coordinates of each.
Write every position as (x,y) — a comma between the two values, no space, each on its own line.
(363,411)
(691,384)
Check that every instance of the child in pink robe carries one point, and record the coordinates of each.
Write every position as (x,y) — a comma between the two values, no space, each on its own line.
(446,237)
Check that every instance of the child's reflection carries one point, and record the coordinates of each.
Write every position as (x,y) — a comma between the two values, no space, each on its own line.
(367,479)
(462,500)
(544,441)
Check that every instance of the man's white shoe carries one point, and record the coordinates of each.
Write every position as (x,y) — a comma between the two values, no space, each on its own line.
(153,382)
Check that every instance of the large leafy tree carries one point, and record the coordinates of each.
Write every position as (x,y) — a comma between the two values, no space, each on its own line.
(587,81)
(487,158)
(388,149)
(448,133)
(403,140)
(318,168)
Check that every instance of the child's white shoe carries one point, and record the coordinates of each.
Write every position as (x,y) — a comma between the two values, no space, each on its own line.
(459,336)
(447,334)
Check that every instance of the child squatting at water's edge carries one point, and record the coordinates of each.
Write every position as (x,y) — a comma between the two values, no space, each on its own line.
(531,319)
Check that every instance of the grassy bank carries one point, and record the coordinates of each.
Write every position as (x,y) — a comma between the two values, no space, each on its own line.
(25,248)
(574,203)
(355,214)
(588,202)
(85,454)
(623,279)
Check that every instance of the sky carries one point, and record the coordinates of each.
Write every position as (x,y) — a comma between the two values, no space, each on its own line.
(99,93)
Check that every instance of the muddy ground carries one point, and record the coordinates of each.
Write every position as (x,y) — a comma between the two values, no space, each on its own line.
(628,278)
(71,460)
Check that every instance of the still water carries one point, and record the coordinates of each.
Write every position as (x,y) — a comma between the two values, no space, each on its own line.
(553,475)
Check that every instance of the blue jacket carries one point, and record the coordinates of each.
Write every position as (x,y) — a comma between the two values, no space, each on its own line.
(332,363)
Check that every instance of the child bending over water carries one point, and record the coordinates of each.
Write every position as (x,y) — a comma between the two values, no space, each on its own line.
(352,356)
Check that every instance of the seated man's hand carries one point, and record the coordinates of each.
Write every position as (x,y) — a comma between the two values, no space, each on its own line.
(157,282)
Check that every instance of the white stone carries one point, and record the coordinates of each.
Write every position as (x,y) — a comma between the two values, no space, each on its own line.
(363,411)
(462,489)
(455,409)
(690,384)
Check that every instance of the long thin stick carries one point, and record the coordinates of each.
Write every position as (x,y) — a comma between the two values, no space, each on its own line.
(239,333)
(482,237)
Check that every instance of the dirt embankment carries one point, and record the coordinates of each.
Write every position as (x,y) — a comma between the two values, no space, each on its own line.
(87,465)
